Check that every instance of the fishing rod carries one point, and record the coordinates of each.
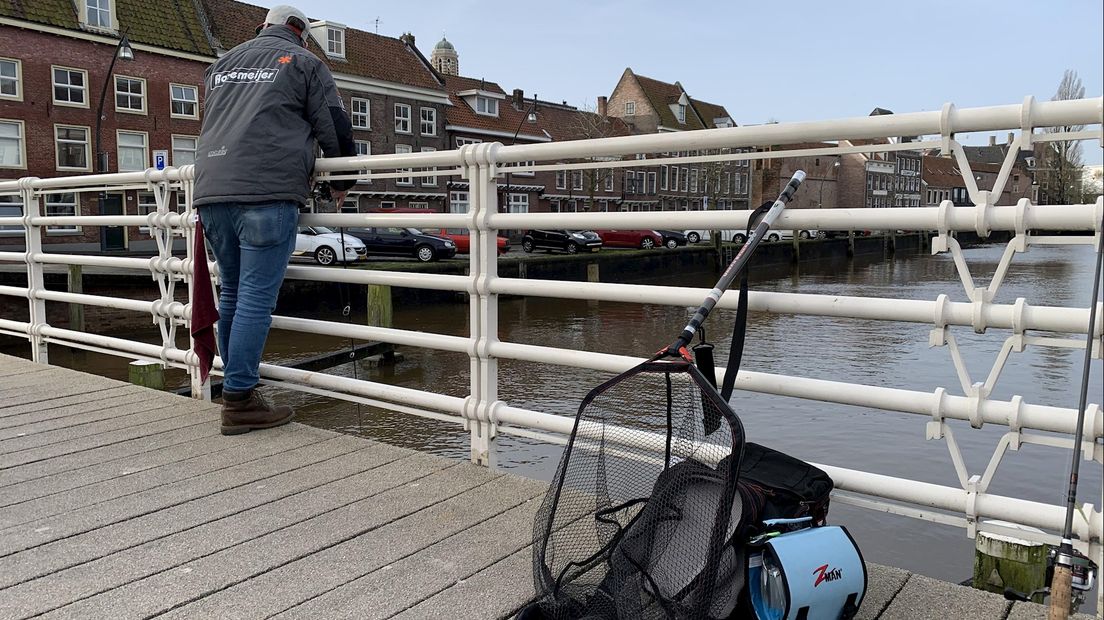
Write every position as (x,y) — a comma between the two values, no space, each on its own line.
(678,347)
(1067,561)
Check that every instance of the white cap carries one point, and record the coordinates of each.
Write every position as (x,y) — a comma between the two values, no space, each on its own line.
(288,15)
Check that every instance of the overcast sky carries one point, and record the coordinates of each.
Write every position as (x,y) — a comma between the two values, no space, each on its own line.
(764,60)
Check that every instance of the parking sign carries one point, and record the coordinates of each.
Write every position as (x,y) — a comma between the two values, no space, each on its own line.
(160,159)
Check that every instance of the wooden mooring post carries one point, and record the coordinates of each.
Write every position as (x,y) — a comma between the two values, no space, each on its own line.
(850,243)
(76,285)
(592,272)
(1005,562)
(380,314)
(147,374)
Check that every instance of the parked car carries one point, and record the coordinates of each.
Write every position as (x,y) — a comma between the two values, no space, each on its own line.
(461,238)
(672,238)
(643,239)
(328,246)
(395,241)
(699,235)
(570,241)
(801,234)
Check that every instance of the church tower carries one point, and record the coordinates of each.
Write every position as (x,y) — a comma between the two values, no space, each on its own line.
(445,59)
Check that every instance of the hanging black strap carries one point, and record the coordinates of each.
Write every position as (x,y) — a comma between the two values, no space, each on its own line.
(739,331)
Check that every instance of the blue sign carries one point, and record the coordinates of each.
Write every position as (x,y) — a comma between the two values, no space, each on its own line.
(160,159)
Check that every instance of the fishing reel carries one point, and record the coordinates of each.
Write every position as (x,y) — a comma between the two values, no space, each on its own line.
(321,192)
(1084,578)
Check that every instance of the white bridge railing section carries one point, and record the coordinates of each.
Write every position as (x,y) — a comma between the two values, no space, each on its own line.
(1020,324)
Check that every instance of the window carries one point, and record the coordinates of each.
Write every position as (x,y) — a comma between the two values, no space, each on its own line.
(402,149)
(183,150)
(12,151)
(185,101)
(362,117)
(429,122)
(664,173)
(62,204)
(11,206)
(458,202)
(335,42)
(133,153)
(418,205)
(486,106)
(1015,183)
(429,181)
(694,180)
(561,179)
(576,179)
(728,183)
(402,118)
(11,79)
(146,204)
(71,147)
(130,94)
(681,113)
(70,86)
(651,183)
(609,180)
(99,13)
(518,203)
(363,147)
(630,108)
(462,141)
(674,178)
(630,182)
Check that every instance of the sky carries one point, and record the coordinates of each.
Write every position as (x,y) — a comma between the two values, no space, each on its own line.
(765,60)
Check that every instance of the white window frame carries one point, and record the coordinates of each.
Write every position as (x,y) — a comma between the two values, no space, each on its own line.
(141,97)
(517,203)
(609,180)
(87,10)
(561,179)
(432,122)
(630,108)
(577,179)
(675,179)
(172,100)
(139,204)
(366,114)
(22,138)
(145,150)
(87,143)
(367,144)
(54,86)
(174,149)
(335,42)
(18,96)
(651,183)
(401,120)
(664,177)
(9,201)
(52,200)
(463,141)
(403,149)
(429,181)
(457,199)
(685,179)
(489,105)
(680,115)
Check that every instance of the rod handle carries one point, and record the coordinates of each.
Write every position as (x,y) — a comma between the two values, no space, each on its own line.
(1061,593)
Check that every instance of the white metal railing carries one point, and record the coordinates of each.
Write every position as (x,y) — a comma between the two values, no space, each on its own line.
(482,412)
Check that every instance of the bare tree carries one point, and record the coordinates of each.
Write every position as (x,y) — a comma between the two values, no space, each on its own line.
(588,124)
(1060,161)
(717,177)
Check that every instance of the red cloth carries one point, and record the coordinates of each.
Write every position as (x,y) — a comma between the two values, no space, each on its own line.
(204,312)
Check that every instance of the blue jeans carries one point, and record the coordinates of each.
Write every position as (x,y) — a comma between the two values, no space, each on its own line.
(252,244)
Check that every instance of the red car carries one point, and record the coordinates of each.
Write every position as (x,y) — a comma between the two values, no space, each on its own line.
(460,237)
(643,239)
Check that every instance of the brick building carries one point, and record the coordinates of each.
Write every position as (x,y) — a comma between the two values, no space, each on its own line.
(880,179)
(54,57)
(822,183)
(943,181)
(651,106)
(994,154)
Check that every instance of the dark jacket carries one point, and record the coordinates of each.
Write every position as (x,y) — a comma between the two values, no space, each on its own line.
(267,101)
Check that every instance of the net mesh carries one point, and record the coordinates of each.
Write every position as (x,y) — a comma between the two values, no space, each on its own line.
(637,521)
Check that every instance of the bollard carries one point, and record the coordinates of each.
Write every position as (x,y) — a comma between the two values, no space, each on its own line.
(76,311)
(523,271)
(592,272)
(379,305)
(892,241)
(850,243)
(1002,562)
(796,247)
(147,374)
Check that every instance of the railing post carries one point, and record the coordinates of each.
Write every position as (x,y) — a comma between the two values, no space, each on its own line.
(479,168)
(35,280)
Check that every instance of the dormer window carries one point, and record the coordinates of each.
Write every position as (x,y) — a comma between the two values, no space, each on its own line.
(335,41)
(486,106)
(681,113)
(98,14)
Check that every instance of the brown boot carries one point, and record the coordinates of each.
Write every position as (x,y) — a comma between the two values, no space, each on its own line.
(246,411)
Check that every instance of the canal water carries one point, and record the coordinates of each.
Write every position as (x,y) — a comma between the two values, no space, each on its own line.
(856,351)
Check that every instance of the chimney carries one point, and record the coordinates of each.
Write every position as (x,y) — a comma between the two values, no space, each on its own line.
(1011,137)
(519,99)
(602,106)
(407,38)
(992,140)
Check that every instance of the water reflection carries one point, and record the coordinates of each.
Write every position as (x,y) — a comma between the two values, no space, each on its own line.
(857,351)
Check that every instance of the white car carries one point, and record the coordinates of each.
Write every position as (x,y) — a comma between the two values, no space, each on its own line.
(328,246)
(695,236)
(776,234)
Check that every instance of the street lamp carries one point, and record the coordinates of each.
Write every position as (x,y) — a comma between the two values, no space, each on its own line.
(123,51)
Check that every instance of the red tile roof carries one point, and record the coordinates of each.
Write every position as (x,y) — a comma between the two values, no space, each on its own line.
(366,54)
(662,95)
(944,171)
(509,119)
